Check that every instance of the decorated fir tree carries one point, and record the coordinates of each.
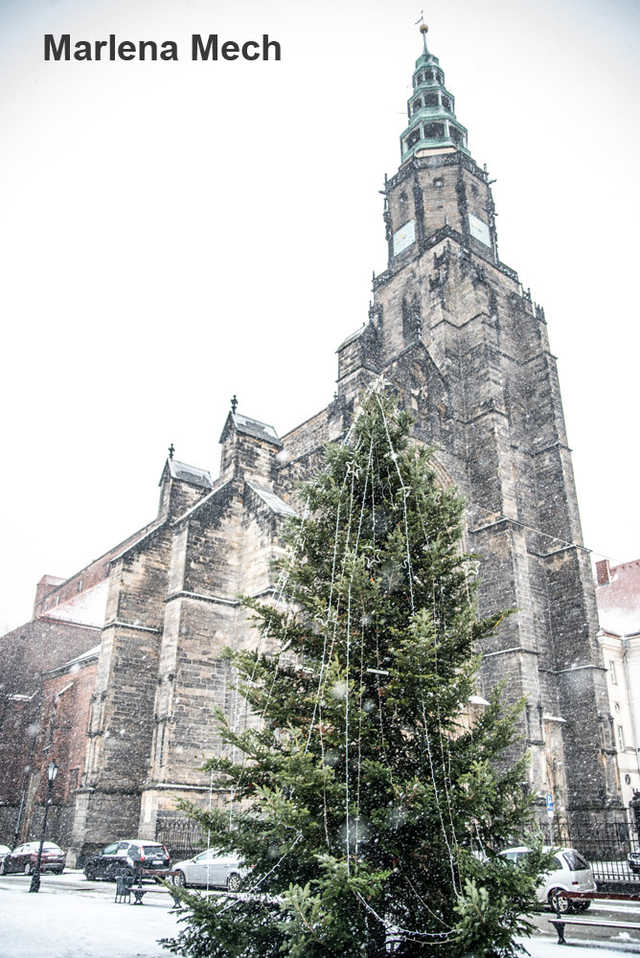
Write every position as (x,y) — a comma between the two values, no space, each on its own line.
(366,805)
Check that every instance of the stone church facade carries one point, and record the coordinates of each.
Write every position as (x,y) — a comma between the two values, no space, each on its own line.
(466,350)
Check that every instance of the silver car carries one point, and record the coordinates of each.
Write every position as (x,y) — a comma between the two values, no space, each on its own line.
(210,869)
(570,872)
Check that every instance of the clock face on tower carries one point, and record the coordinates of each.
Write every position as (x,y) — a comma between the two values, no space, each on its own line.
(479,230)
(404,237)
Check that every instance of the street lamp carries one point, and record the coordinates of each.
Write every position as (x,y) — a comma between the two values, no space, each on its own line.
(52,771)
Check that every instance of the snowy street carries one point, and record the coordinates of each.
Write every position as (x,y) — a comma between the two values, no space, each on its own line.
(73,918)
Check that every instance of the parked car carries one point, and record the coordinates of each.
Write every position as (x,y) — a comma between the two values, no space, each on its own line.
(633,860)
(132,855)
(570,872)
(210,868)
(24,857)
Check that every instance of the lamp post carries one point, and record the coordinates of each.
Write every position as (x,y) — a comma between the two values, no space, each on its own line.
(52,771)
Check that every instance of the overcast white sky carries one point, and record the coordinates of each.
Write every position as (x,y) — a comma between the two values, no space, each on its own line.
(174,233)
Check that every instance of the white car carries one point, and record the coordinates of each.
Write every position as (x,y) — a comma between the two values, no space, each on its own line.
(210,868)
(571,872)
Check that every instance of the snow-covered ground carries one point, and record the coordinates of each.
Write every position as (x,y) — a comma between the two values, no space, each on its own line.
(75,919)
(60,924)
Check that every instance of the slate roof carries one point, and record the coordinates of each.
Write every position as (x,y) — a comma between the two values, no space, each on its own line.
(251,427)
(92,653)
(255,428)
(275,503)
(191,474)
(352,337)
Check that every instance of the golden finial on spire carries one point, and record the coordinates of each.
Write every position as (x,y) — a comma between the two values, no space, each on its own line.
(424,29)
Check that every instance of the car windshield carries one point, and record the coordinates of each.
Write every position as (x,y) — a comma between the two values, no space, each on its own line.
(575,861)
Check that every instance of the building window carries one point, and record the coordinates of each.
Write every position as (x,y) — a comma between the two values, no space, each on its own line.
(446,102)
(412,138)
(438,182)
(434,131)
(431,99)
(612,672)
(616,706)
(627,780)
(417,104)
(620,738)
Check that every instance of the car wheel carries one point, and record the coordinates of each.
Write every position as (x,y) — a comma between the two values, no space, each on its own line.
(234,881)
(179,879)
(28,868)
(2,868)
(90,874)
(558,901)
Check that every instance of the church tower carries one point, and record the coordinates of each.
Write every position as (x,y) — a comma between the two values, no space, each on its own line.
(453,331)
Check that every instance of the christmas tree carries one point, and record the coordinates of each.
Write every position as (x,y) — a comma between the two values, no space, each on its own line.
(366,804)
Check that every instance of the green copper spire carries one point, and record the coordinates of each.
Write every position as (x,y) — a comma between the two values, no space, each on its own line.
(432,119)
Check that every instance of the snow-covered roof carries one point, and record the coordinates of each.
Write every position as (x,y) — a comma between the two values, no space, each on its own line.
(619,600)
(187,473)
(255,428)
(352,337)
(85,608)
(275,503)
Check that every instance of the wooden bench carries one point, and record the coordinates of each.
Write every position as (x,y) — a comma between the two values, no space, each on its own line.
(559,923)
(126,887)
(561,920)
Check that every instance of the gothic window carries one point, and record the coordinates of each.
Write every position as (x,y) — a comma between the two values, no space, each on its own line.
(434,131)
(431,99)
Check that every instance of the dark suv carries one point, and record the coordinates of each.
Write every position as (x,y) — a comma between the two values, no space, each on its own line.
(133,856)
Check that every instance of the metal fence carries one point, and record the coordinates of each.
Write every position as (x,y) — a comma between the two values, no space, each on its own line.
(182,836)
(607,845)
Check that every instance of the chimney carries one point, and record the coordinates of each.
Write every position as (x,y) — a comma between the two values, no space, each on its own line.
(603,575)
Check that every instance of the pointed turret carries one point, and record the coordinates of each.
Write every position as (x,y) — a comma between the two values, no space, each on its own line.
(431,110)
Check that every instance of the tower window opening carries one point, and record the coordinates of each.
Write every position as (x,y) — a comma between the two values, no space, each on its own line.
(434,131)
(417,104)
(429,74)
(431,99)
(456,135)
(421,78)
(446,102)
(412,139)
